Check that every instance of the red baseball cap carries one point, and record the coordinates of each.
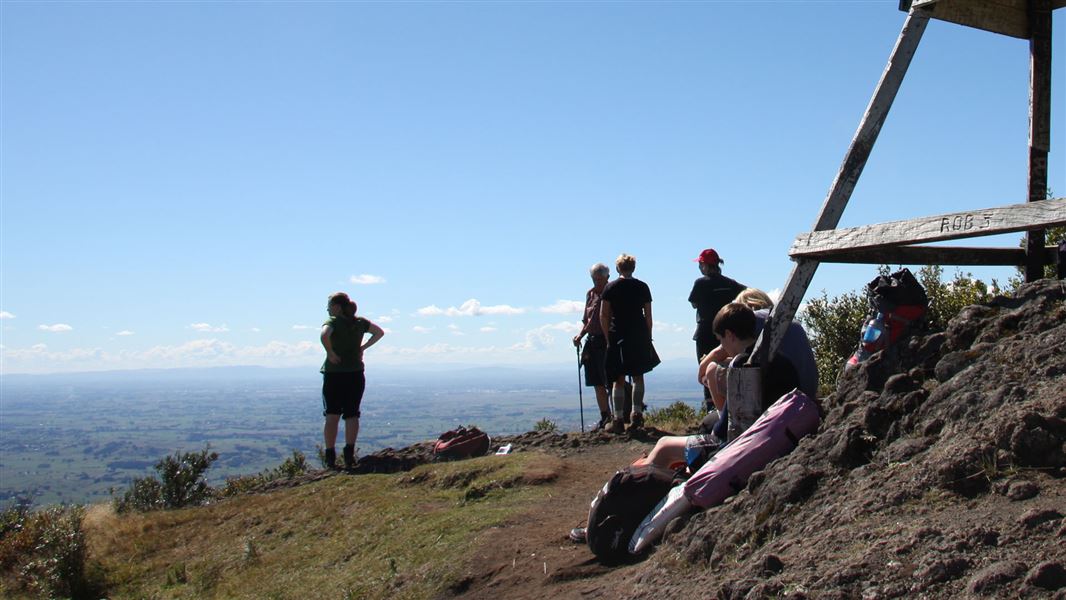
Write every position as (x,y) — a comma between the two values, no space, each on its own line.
(709,256)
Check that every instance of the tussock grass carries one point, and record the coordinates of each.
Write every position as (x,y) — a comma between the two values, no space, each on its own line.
(368,536)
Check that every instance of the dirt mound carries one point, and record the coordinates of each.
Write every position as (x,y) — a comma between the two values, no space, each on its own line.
(939,471)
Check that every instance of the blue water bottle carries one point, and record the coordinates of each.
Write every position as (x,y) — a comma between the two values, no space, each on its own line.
(873,333)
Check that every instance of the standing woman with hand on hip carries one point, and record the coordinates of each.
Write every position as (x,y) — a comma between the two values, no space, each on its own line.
(343,379)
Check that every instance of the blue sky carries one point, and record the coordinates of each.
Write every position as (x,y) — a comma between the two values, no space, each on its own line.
(184,183)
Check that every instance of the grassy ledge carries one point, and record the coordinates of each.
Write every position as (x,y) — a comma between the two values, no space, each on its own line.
(370,536)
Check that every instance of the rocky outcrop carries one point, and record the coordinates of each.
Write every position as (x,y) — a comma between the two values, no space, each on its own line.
(938,471)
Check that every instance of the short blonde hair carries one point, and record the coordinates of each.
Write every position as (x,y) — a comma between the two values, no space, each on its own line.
(625,263)
(754,298)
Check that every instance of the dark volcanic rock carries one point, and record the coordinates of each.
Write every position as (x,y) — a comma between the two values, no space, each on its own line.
(1022,490)
(988,579)
(891,497)
(1048,575)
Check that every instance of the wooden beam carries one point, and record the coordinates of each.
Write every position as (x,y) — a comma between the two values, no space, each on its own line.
(950,226)
(844,183)
(1007,17)
(1039,124)
(939,255)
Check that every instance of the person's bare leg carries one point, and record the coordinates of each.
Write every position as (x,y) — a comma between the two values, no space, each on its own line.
(601,399)
(329,439)
(638,395)
(329,431)
(351,430)
(668,451)
(715,382)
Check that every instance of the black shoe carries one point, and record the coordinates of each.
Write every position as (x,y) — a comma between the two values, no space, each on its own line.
(331,458)
(637,421)
(605,420)
(349,457)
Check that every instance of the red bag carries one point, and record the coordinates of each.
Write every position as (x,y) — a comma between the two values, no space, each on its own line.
(465,442)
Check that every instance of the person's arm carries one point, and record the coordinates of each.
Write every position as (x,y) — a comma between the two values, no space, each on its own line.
(647,316)
(331,356)
(605,319)
(376,333)
(714,356)
(584,326)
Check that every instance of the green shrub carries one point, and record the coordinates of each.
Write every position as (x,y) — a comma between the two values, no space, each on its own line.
(833,325)
(545,424)
(947,299)
(676,417)
(291,467)
(180,483)
(44,552)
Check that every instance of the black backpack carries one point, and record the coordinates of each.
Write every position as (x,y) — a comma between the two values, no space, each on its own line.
(621,505)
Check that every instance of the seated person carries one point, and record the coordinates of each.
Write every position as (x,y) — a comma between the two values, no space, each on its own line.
(792,367)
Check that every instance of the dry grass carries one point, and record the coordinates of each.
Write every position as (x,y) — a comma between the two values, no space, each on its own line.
(371,536)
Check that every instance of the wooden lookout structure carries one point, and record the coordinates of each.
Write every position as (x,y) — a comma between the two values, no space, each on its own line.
(898,242)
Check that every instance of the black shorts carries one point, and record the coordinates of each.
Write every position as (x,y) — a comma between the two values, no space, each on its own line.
(634,355)
(594,359)
(342,393)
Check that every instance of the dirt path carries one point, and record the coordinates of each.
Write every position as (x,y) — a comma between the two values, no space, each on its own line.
(532,557)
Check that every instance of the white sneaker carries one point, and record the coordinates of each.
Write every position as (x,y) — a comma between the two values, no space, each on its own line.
(652,527)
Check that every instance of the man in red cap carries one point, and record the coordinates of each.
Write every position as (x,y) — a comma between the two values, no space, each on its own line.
(709,294)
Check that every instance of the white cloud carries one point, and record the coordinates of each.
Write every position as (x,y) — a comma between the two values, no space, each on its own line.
(541,337)
(775,295)
(6,315)
(470,308)
(208,328)
(57,328)
(563,307)
(453,327)
(671,327)
(125,332)
(255,330)
(365,279)
(384,319)
(487,329)
(420,329)
(303,327)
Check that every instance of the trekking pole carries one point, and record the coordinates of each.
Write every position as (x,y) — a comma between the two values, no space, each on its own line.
(580,399)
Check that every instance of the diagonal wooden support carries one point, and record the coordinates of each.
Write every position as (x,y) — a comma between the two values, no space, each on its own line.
(844,184)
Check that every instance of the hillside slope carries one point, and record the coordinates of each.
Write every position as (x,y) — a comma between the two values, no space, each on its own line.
(937,472)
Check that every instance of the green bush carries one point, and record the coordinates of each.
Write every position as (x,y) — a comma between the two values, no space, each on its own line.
(44,552)
(947,299)
(545,424)
(180,483)
(833,325)
(676,417)
(291,467)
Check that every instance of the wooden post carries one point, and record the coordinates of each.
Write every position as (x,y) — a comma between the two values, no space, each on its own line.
(1039,125)
(844,184)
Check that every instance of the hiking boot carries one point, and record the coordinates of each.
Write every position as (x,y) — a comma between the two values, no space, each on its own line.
(618,425)
(349,457)
(605,420)
(330,458)
(637,421)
